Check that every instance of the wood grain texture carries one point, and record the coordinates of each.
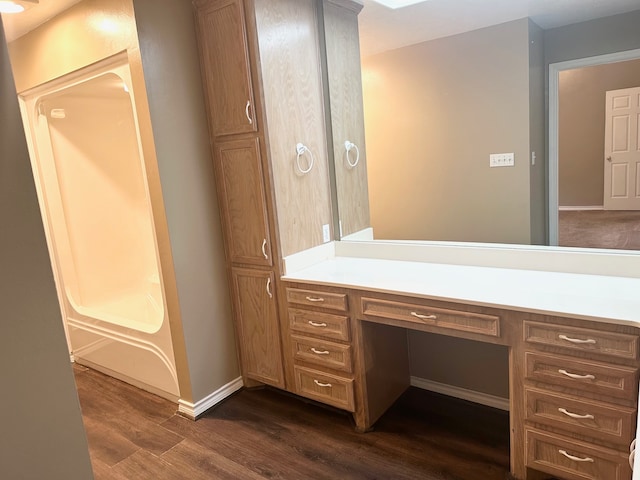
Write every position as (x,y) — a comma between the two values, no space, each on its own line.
(242,200)
(257,325)
(226,71)
(293,103)
(342,47)
(263,434)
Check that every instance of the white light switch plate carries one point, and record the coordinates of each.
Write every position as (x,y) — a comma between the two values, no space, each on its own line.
(326,233)
(501,160)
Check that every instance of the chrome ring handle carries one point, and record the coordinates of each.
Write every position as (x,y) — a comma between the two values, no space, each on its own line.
(264,249)
(576,376)
(348,146)
(574,458)
(575,415)
(301,149)
(589,341)
(246,112)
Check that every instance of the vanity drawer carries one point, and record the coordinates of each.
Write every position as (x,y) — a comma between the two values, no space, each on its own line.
(319,323)
(438,317)
(607,422)
(573,460)
(325,388)
(587,375)
(618,345)
(320,352)
(315,298)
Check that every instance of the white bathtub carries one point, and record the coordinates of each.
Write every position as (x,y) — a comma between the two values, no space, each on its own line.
(91,180)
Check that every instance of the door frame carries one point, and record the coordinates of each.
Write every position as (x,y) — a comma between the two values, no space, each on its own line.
(554,134)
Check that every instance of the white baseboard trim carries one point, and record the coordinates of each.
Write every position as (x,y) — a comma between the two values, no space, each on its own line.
(462,393)
(580,208)
(193,411)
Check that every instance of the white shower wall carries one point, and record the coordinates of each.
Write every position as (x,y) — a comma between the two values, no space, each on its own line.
(88,164)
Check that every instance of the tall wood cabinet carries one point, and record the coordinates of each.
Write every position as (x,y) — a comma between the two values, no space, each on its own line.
(262,65)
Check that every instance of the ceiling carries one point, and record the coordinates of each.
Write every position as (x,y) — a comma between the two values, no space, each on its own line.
(385,29)
(18,24)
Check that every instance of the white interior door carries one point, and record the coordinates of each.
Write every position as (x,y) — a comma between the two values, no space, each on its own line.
(622,150)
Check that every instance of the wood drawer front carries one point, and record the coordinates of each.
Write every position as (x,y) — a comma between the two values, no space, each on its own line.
(551,454)
(314,298)
(325,388)
(438,317)
(607,422)
(320,352)
(586,375)
(618,345)
(322,324)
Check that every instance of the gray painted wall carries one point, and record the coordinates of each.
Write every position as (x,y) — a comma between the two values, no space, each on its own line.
(596,37)
(433,113)
(42,433)
(581,123)
(174,90)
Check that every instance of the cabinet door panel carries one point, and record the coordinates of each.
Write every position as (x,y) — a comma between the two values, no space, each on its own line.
(347,116)
(293,103)
(257,324)
(225,66)
(243,201)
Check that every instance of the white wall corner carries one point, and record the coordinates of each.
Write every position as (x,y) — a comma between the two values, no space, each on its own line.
(193,411)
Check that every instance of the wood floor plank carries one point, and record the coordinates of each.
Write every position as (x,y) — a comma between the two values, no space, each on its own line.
(107,444)
(204,464)
(145,465)
(267,434)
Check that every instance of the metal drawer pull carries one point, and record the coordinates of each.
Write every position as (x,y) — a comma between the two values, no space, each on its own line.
(576,459)
(632,457)
(269,288)
(246,112)
(575,415)
(633,445)
(314,324)
(322,384)
(315,299)
(320,352)
(576,376)
(264,249)
(577,340)
(423,317)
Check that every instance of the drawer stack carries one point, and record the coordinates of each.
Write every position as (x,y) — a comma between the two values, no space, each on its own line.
(581,391)
(321,346)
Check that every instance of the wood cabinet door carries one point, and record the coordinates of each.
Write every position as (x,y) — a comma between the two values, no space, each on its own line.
(347,117)
(257,325)
(226,67)
(242,198)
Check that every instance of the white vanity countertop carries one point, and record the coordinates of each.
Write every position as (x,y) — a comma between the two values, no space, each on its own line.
(592,297)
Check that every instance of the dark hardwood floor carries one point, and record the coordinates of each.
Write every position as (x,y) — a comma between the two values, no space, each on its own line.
(267,434)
